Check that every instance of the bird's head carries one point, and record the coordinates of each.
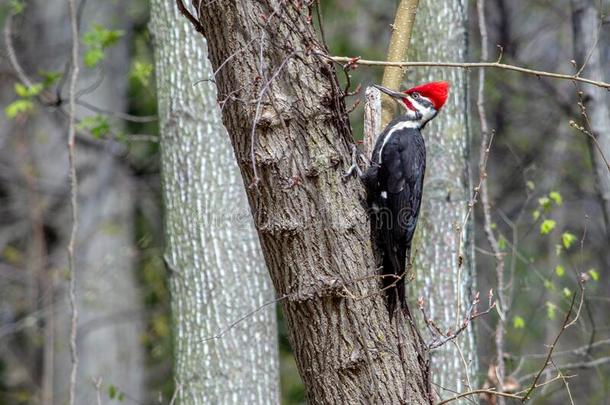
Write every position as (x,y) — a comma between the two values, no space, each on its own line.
(424,100)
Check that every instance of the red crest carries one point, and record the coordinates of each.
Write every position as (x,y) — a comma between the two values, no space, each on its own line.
(437,92)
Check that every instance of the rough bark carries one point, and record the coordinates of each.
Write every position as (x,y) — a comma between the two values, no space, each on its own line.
(586,30)
(446,286)
(218,270)
(110,315)
(312,225)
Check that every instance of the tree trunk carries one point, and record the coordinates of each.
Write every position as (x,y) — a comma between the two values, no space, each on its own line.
(283,109)
(586,24)
(447,285)
(218,270)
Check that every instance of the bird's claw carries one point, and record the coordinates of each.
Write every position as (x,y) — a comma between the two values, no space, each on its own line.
(354,167)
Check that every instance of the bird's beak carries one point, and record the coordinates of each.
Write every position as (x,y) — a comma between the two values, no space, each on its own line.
(391,93)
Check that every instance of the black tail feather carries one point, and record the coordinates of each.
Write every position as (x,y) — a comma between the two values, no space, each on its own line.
(394,260)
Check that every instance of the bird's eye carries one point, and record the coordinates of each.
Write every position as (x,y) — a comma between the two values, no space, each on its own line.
(415,95)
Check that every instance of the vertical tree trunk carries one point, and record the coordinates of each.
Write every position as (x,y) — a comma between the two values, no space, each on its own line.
(440,35)
(218,270)
(586,29)
(288,125)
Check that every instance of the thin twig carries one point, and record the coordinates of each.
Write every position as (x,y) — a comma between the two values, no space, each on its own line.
(472,65)
(564,326)
(477,392)
(487,224)
(73,196)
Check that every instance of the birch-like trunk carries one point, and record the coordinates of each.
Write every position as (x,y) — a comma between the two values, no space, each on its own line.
(447,287)
(586,29)
(289,129)
(218,274)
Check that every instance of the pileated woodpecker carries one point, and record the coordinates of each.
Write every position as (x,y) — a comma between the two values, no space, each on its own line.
(395,180)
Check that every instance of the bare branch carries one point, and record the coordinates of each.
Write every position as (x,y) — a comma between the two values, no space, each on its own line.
(564,326)
(73,196)
(474,65)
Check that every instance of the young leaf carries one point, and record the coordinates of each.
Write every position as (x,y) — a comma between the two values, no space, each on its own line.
(551,310)
(93,56)
(27,92)
(97,40)
(102,37)
(560,271)
(112,391)
(566,292)
(49,78)
(536,215)
(549,285)
(567,239)
(518,322)
(547,226)
(17,6)
(18,107)
(594,274)
(556,197)
(545,203)
(558,249)
(97,124)
(141,72)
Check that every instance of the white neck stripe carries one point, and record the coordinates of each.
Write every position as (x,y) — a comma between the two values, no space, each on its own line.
(400,126)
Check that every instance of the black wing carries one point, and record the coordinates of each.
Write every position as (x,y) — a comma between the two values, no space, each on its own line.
(395,184)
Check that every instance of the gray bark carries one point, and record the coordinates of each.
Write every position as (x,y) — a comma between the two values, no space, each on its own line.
(585,24)
(218,271)
(447,288)
(312,225)
(110,315)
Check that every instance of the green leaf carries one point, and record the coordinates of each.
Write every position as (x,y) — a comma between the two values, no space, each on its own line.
(93,57)
(567,239)
(566,292)
(17,6)
(112,391)
(49,78)
(101,37)
(560,271)
(530,184)
(26,92)
(502,243)
(518,322)
(97,40)
(594,274)
(549,285)
(97,124)
(141,72)
(536,215)
(551,310)
(558,249)
(18,107)
(545,203)
(556,197)
(547,226)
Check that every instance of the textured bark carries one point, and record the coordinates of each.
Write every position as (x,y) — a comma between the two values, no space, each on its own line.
(219,274)
(312,225)
(110,315)
(585,24)
(440,35)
